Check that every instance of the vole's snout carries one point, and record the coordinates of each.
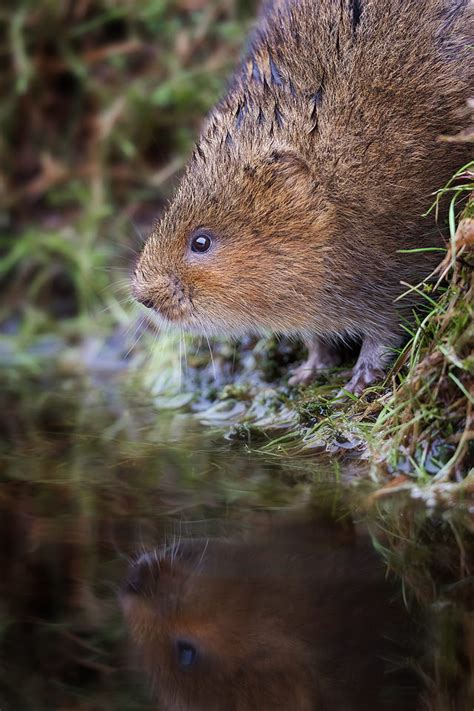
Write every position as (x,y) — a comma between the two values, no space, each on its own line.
(164,294)
(145,301)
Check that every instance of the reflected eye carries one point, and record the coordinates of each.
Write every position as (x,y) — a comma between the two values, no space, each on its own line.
(201,242)
(186,655)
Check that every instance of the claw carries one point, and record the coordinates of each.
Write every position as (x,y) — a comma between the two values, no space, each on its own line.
(363,376)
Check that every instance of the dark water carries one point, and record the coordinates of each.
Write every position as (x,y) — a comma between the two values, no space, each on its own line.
(258,583)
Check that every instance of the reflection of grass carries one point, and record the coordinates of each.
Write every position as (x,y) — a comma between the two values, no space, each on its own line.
(434,558)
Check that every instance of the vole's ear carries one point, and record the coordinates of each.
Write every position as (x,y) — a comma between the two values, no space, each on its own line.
(288,167)
(286,160)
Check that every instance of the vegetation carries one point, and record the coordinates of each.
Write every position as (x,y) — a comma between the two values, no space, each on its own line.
(102,101)
(427,423)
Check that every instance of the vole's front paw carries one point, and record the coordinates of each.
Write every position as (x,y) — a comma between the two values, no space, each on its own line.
(321,356)
(303,374)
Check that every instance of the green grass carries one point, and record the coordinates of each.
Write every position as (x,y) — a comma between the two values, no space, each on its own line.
(425,426)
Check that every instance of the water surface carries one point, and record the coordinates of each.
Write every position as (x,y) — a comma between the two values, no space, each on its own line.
(277,557)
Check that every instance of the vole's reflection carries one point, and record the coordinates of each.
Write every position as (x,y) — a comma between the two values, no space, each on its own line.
(299,616)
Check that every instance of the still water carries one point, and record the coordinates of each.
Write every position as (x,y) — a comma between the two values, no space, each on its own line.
(149,563)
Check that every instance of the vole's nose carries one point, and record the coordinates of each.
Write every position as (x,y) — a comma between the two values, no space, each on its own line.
(145,301)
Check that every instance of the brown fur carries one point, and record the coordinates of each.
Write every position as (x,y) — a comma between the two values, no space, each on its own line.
(299,619)
(313,172)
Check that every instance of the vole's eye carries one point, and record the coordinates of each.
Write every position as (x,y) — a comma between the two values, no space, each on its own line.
(186,654)
(201,242)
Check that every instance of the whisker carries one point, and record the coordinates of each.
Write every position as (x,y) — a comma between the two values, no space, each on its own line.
(135,340)
(214,371)
(185,355)
(118,302)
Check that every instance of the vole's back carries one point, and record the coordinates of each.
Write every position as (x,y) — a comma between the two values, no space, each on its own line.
(364,89)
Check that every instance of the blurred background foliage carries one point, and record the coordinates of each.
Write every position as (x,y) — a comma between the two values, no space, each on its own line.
(101,103)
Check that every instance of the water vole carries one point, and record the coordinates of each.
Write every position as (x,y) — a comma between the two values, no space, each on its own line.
(311,175)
